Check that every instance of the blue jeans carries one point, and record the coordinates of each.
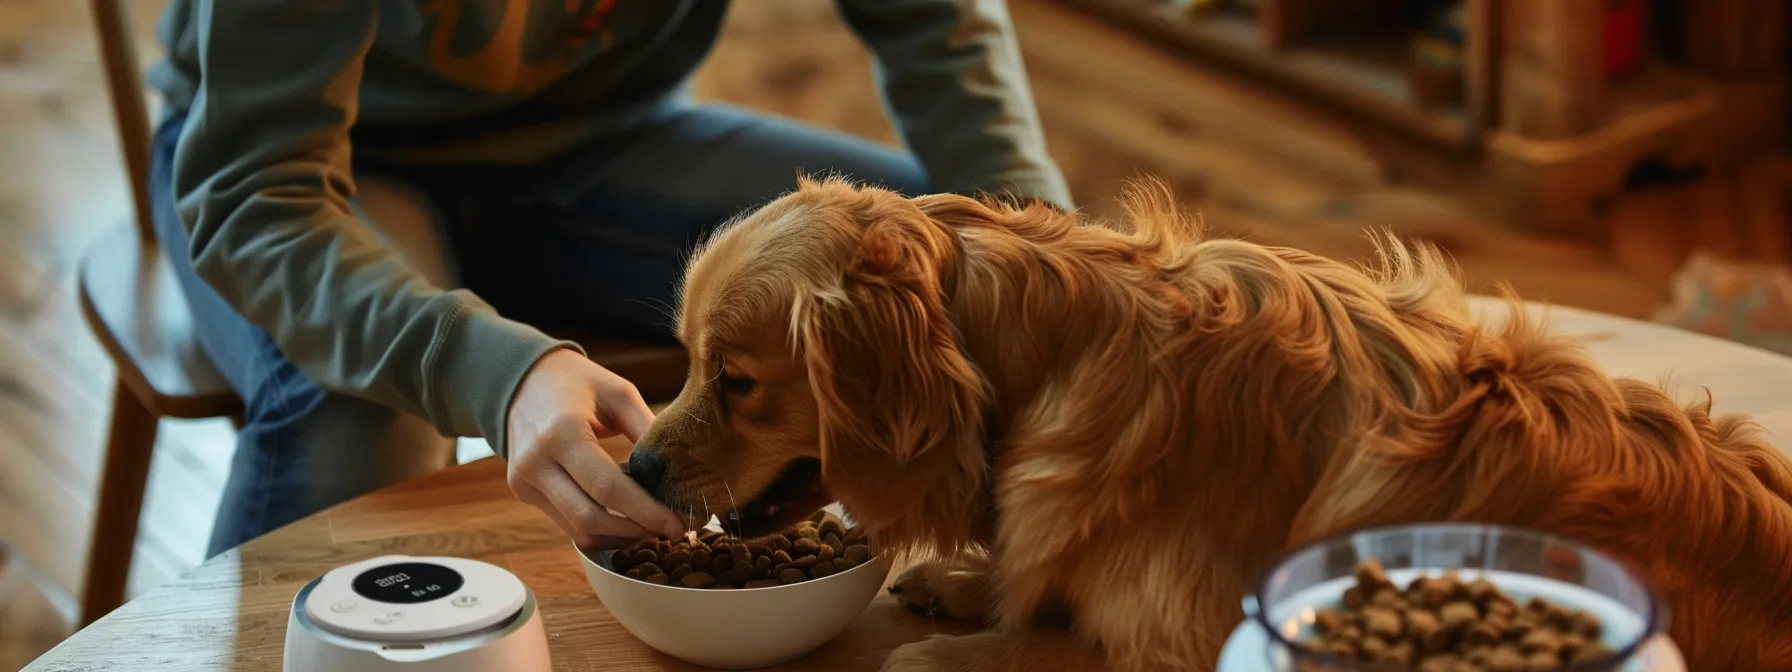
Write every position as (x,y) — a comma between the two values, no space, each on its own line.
(605,258)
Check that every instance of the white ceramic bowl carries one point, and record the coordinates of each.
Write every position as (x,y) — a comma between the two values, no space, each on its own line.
(737,629)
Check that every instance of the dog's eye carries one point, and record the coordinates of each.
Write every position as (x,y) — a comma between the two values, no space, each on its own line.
(737,384)
(731,383)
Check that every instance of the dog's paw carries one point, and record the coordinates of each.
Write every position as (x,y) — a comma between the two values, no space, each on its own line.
(955,590)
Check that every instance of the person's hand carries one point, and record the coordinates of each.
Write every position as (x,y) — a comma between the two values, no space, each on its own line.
(565,404)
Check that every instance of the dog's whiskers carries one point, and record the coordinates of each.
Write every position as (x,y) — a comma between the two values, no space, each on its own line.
(733,511)
(706,511)
(694,417)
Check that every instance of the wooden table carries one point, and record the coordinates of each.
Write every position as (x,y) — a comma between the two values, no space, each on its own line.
(230,613)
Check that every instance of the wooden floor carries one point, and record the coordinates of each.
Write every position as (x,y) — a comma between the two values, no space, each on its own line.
(1254,163)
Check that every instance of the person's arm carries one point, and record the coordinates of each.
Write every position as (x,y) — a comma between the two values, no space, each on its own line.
(263,181)
(951,75)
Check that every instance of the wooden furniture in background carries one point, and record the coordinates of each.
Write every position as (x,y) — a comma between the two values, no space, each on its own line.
(1560,119)
(230,613)
(134,306)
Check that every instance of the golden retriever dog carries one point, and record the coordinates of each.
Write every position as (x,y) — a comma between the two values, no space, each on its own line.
(1102,433)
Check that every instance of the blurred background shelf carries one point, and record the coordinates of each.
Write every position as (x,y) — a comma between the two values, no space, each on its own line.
(1568,102)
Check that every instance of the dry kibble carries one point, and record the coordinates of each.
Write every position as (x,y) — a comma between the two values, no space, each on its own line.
(1571,644)
(716,560)
(1370,574)
(1590,652)
(1343,647)
(1458,616)
(643,556)
(1445,624)
(1506,659)
(1541,641)
(1587,625)
(1480,590)
(1425,627)
(1372,647)
(1435,594)
(1382,623)
(1485,633)
(1388,598)
(1400,653)
(1329,622)
(1522,625)
(1502,606)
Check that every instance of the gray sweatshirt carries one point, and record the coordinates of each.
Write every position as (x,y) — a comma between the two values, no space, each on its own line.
(279,91)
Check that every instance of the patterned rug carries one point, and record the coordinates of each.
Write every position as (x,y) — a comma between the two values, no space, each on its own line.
(1742,302)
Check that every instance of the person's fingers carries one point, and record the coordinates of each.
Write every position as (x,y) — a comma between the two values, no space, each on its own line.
(604,482)
(528,494)
(585,515)
(620,408)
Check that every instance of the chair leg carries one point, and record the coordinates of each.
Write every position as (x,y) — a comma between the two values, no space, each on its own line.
(130,444)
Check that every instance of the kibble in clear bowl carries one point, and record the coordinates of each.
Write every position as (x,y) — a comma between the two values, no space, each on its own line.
(1454,598)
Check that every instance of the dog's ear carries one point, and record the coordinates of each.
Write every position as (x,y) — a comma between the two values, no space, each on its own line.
(900,404)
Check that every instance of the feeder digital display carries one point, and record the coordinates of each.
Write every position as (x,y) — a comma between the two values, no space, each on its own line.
(407,583)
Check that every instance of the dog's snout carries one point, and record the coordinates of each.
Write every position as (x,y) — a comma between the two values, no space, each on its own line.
(648,470)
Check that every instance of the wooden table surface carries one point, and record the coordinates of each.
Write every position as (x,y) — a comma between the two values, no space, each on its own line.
(230,613)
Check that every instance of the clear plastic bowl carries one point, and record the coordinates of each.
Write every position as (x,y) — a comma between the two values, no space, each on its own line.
(1523,563)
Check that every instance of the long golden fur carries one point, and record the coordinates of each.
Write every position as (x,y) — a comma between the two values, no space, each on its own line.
(1124,423)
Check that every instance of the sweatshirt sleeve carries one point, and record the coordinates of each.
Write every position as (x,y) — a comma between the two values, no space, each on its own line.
(262,180)
(951,76)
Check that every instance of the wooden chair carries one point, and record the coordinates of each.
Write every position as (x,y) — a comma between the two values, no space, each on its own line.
(133,303)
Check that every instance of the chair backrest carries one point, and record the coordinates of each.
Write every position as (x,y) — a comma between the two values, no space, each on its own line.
(124,85)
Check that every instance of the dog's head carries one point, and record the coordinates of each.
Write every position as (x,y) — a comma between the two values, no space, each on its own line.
(824,366)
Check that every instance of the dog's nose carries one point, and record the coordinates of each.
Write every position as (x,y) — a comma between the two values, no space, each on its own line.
(647,469)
